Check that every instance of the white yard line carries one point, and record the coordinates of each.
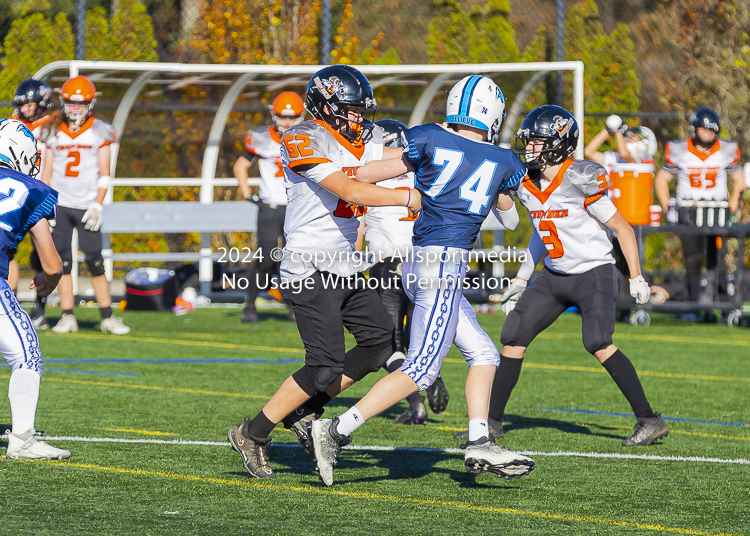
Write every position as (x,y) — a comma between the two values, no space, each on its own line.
(737,461)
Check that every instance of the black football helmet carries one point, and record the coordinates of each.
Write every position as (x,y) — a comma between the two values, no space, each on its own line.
(708,119)
(553,125)
(333,91)
(393,130)
(36,91)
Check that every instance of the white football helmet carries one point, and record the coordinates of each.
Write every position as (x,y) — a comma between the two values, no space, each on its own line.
(18,148)
(477,101)
(645,148)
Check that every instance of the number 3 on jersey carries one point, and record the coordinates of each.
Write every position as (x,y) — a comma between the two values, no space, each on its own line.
(552,239)
(474,189)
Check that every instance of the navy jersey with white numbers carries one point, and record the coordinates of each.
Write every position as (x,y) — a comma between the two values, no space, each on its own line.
(459,179)
(23,203)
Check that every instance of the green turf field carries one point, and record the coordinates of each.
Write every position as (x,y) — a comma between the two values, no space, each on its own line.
(144,481)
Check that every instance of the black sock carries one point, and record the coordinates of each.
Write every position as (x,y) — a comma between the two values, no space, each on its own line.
(626,378)
(105,312)
(259,428)
(67,311)
(506,378)
(40,302)
(414,399)
(318,402)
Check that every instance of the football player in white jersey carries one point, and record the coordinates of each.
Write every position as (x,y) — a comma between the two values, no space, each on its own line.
(463,176)
(388,232)
(32,100)
(320,264)
(77,167)
(263,145)
(27,205)
(702,163)
(568,206)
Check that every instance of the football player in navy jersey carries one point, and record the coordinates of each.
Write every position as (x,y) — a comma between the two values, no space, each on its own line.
(461,175)
(25,206)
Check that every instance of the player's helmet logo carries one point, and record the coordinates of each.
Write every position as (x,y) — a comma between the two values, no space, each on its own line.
(340,95)
(561,125)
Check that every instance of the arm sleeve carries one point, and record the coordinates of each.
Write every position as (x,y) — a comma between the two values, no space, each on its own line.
(516,173)
(507,218)
(415,144)
(603,209)
(536,252)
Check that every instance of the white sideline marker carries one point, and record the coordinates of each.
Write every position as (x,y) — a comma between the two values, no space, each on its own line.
(613,455)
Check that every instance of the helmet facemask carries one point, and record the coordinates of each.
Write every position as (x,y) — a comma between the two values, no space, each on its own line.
(548,153)
(277,120)
(357,129)
(77,118)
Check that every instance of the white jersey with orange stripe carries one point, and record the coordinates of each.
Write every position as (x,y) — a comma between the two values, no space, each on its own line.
(390,228)
(316,220)
(264,143)
(75,161)
(701,175)
(568,212)
(612,161)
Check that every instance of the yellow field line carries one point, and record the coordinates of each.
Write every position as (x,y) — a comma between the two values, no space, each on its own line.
(151,388)
(206,344)
(601,370)
(724,341)
(406,500)
(144,432)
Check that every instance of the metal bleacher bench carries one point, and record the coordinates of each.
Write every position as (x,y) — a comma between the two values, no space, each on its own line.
(177,217)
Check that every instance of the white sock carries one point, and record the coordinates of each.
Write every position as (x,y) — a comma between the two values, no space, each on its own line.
(23,393)
(478,428)
(350,421)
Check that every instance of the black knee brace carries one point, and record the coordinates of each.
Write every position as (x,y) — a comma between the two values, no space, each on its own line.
(96,266)
(361,360)
(67,266)
(313,380)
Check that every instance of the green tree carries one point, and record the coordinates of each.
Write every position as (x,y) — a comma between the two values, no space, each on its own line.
(133,34)
(99,43)
(32,42)
(496,39)
(451,34)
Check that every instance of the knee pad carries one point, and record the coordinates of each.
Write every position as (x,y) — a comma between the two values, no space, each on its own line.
(595,343)
(509,333)
(361,360)
(313,380)
(96,265)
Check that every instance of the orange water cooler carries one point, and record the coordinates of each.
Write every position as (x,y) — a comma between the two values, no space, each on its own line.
(632,191)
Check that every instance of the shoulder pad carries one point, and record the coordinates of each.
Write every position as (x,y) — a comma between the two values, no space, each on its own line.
(587,176)
(257,138)
(314,140)
(104,130)
(730,150)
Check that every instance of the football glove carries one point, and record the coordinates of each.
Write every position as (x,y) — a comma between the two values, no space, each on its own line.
(92,218)
(639,290)
(510,297)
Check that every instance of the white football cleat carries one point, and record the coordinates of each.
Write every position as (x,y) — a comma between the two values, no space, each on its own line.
(66,324)
(114,325)
(27,447)
(483,455)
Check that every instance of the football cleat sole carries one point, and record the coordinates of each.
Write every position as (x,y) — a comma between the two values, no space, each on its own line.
(513,469)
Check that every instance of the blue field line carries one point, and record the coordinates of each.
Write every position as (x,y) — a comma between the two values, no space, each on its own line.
(170,361)
(79,371)
(676,419)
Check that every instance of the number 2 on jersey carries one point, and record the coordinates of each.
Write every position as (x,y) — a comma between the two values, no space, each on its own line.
(13,194)
(552,239)
(69,171)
